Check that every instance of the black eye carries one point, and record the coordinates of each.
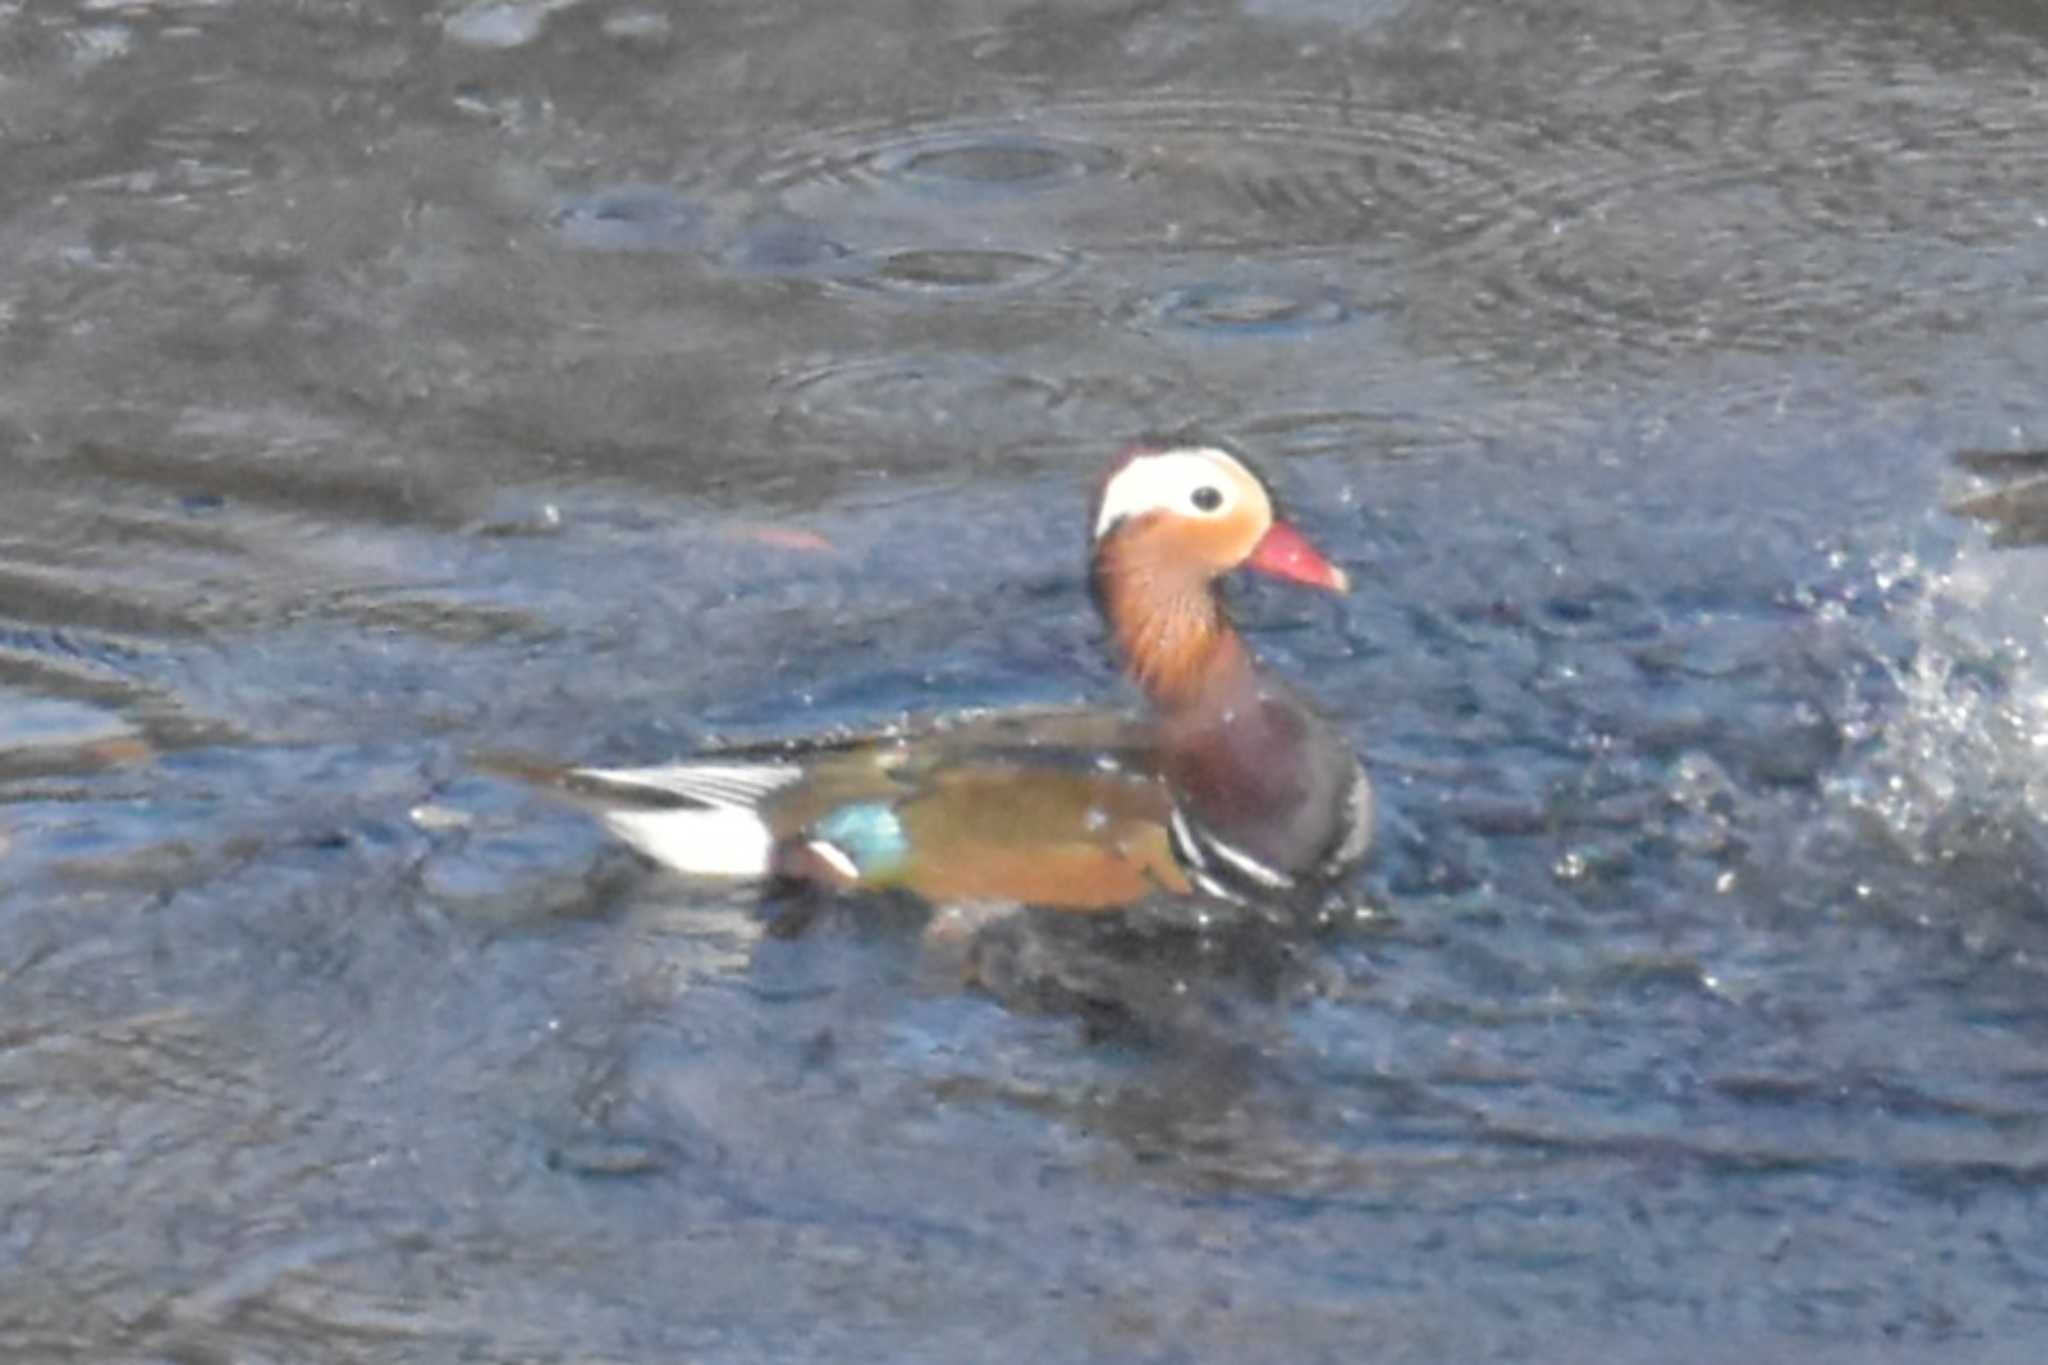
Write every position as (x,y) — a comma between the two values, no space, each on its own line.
(1206,499)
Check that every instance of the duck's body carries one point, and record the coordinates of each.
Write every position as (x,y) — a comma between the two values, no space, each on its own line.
(1233,786)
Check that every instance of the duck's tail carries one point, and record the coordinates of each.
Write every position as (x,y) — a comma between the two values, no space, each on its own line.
(700,817)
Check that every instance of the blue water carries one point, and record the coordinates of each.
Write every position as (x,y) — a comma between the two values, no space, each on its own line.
(597,382)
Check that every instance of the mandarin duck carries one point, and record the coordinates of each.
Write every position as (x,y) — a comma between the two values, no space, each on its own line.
(1232,786)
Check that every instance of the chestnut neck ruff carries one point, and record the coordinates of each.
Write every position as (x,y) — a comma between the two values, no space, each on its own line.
(1170,626)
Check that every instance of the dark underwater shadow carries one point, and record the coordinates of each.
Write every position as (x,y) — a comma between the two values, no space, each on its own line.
(2011,496)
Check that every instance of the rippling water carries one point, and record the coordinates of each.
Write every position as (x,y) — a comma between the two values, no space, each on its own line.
(383,386)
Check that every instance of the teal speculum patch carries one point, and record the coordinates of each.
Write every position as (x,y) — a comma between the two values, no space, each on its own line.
(869,833)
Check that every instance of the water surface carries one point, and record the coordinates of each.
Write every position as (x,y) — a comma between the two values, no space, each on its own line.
(384,385)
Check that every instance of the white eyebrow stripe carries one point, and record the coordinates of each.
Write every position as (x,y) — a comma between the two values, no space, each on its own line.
(1151,482)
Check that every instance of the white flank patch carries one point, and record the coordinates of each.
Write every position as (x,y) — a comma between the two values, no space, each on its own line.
(722,841)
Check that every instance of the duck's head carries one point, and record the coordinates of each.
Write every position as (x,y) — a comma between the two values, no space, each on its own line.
(1183,515)
(1168,521)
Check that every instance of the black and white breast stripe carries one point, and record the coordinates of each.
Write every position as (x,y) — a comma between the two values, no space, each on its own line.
(1223,870)
(1216,868)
